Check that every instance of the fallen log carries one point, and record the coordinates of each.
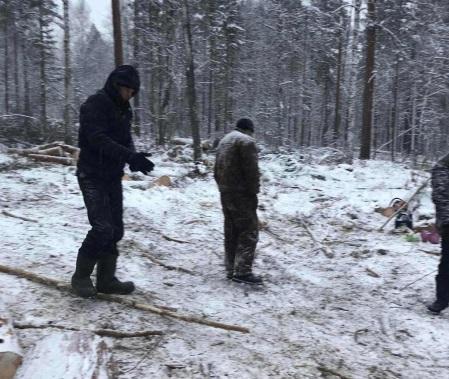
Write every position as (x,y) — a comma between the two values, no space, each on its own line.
(53,151)
(70,149)
(49,145)
(124,301)
(10,352)
(98,332)
(68,355)
(51,159)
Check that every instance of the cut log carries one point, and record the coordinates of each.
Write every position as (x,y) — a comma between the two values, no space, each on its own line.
(70,149)
(57,149)
(10,352)
(68,355)
(163,181)
(49,145)
(51,159)
(53,151)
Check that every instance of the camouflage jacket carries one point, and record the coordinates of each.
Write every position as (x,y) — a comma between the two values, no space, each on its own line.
(440,190)
(236,164)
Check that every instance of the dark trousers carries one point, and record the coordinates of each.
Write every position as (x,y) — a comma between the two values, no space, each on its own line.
(241,231)
(104,204)
(442,279)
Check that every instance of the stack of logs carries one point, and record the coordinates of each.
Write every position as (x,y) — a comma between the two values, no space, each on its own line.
(55,152)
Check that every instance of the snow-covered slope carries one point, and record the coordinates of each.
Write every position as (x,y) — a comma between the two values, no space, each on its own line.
(315,317)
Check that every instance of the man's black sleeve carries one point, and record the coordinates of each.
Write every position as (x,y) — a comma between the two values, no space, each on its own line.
(93,121)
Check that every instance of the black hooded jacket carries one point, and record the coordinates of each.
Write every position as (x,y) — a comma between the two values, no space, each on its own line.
(105,127)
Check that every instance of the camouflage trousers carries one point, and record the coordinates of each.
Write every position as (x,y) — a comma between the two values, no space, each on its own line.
(240,230)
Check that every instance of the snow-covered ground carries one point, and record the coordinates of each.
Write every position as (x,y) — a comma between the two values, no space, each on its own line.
(315,317)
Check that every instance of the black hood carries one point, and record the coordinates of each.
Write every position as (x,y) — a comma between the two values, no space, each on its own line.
(126,76)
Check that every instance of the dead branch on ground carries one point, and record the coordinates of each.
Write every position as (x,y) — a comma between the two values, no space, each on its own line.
(325,249)
(9,214)
(124,301)
(168,267)
(173,239)
(98,332)
(372,273)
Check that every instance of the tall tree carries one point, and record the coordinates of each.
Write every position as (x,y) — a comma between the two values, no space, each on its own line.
(368,91)
(117,26)
(190,77)
(67,73)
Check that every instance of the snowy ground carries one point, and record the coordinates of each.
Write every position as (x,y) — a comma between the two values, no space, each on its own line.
(315,317)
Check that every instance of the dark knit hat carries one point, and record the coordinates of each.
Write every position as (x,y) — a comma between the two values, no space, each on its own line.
(126,76)
(245,124)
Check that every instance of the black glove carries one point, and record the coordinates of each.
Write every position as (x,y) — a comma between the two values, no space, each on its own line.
(138,162)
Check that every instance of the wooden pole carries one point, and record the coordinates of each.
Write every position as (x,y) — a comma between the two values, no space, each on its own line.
(124,301)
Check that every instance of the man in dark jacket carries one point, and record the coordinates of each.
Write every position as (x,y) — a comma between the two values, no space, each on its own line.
(440,197)
(237,175)
(105,146)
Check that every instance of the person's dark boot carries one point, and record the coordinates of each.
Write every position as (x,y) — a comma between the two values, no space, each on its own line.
(106,280)
(81,282)
(248,279)
(442,292)
(437,306)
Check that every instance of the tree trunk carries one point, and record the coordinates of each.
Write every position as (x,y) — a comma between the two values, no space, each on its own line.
(67,74)
(117,26)
(337,116)
(136,49)
(43,71)
(6,65)
(16,64)
(353,69)
(368,92)
(394,110)
(191,92)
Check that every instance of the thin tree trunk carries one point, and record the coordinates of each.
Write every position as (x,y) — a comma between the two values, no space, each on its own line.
(191,92)
(16,65)
(394,110)
(67,74)
(6,57)
(353,67)
(136,49)
(117,26)
(43,71)
(337,116)
(368,92)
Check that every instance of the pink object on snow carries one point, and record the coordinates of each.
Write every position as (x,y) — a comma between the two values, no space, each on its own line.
(431,236)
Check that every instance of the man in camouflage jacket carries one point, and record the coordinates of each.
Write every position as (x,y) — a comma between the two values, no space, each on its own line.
(440,197)
(237,175)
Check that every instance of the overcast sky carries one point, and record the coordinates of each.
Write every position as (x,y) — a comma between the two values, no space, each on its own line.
(100,13)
